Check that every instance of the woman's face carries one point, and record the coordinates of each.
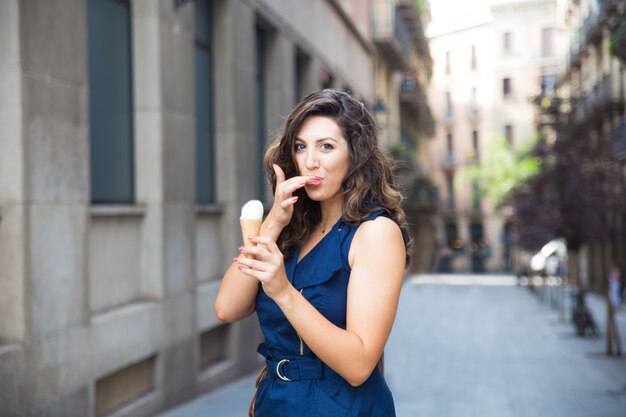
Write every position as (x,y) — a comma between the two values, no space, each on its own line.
(321,150)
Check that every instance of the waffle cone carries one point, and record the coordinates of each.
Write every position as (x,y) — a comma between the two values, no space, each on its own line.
(250,227)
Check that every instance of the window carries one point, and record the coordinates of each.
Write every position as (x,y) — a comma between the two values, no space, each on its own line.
(450,189)
(474,103)
(110,101)
(327,79)
(449,144)
(214,346)
(448,68)
(262,40)
(508,134)
(548,83)
(507,42)
(303,64)
(506,87)
(137,379)
(547,42)
(452,236)
(473,63)
(475,145)
(205,136)
(476,196)
(448,105)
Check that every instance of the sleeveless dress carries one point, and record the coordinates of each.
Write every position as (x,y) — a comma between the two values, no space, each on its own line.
(297,383)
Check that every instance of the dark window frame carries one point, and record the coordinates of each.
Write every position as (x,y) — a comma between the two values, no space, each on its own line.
(507,87)
(507,38)
(509,134)
(111,105)
(473,59)
(206,189)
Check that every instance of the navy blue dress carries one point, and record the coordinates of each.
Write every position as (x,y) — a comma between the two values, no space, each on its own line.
(298,384)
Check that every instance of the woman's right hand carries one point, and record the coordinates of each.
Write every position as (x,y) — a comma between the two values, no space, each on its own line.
(282,210)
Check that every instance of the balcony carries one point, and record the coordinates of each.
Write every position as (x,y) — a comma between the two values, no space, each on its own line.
(607,7)
(606,95)
(574,55)
(422,196)
(390,33)
(618,140)
(448,162)
(413,98)
(410,90)
(592,28)
(472,157)
(473,113)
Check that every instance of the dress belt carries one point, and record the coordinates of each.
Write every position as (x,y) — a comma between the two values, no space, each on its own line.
(294,369)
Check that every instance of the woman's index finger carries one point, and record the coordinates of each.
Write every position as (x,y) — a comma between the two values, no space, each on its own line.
(280,174)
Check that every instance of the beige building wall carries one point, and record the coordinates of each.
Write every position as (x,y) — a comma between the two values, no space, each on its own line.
(98,297)
(401,74)
(477,104)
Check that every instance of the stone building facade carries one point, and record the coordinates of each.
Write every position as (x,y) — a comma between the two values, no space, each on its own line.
(132,133)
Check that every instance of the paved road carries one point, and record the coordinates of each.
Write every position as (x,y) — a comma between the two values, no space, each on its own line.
(479,346)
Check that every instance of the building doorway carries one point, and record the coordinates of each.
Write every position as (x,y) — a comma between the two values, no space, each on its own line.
(506,238)
(479,247)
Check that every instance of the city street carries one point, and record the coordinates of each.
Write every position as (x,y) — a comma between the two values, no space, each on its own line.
(479,346)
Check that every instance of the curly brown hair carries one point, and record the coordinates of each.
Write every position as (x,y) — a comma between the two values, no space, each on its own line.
(369,183)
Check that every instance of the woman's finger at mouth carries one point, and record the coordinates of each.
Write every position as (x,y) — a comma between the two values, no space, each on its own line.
(289,202)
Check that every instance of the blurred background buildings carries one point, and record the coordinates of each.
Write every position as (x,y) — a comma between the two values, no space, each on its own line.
(487,66)
(133,131)
(586,117)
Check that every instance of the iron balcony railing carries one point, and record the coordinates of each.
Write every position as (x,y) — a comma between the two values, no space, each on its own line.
(605,93)
(591,28)
(390,32)
(618,139)
(410,90)
(608,6)
(448,161)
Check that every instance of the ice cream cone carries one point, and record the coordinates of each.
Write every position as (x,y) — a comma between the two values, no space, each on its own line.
(250,227)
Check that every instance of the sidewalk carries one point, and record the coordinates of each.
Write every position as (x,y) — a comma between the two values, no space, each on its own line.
(229,401)
(596,304)
(476,346)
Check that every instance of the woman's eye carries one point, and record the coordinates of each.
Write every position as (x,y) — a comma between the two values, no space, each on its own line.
(327,146)
(299,147)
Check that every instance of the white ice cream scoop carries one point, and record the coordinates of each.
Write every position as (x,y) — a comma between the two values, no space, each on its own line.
(253,209)
(251,221)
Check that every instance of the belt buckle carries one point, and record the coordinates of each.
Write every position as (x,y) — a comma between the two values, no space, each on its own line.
(281,376)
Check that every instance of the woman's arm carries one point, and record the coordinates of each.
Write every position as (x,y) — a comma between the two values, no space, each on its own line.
(237,294)
(377,259)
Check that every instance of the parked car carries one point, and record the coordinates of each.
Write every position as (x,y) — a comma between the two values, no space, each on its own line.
(550,258)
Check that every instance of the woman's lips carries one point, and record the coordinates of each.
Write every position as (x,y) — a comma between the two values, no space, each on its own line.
(315,181)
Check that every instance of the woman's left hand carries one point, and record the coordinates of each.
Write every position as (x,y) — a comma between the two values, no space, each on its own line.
(267,266)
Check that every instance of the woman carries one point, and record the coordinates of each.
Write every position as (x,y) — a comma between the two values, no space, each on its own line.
(330,260)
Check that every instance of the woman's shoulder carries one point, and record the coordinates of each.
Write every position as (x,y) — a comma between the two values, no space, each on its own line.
(376,239)
(379,234)
(378,227)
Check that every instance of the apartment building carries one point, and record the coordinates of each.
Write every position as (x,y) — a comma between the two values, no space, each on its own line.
(133,132)
(402,71)
(486,70)
(591,81)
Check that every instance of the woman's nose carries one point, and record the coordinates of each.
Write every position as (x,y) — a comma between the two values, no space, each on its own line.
(311,160)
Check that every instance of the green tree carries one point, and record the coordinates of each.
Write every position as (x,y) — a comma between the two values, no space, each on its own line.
(502,171)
